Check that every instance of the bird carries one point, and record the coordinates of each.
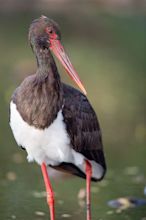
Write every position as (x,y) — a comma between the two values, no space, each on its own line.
(55,122)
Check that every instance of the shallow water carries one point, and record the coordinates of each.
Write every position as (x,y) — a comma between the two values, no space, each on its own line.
(23,196)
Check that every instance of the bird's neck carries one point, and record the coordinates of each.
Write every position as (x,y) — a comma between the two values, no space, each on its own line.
(46,66)
(47,69)
(40,96)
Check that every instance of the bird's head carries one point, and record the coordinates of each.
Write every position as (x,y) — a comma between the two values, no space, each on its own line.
(44,34)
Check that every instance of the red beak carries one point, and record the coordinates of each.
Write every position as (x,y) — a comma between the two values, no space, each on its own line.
(58,50)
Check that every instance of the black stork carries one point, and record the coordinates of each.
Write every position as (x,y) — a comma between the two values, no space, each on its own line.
(55,122)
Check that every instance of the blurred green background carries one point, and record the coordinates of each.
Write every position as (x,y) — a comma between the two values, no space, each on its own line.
(106,43)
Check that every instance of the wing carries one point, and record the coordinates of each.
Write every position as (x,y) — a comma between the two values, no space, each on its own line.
(82,125)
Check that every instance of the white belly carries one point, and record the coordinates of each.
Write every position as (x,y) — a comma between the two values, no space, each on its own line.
(51,145)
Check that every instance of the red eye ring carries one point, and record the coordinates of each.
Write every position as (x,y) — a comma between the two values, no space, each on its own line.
(51,33)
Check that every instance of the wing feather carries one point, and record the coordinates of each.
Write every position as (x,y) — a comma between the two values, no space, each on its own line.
(82,125)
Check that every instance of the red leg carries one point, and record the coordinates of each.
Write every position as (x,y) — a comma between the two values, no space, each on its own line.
(88,181)
(50,194)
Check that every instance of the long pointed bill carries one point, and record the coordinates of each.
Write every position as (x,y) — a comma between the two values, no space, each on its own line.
(58,50)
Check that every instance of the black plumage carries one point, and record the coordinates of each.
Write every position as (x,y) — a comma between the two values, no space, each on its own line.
(82,125)
(83,128)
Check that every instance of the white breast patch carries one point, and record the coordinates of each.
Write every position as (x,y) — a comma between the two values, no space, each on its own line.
(51,145)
